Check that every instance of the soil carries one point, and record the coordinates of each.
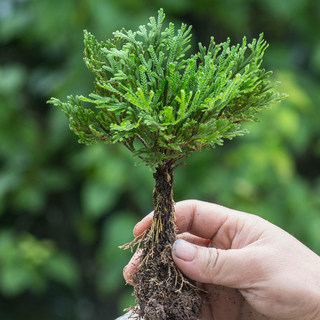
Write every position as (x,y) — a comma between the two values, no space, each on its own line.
(162,292)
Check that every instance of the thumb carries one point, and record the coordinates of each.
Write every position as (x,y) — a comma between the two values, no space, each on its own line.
(210,265)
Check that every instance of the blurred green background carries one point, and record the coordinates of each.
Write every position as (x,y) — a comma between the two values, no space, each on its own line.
(65,207)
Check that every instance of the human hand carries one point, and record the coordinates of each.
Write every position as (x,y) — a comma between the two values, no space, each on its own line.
(250,268)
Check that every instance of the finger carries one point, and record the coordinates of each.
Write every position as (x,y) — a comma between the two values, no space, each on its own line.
(143,224)
(208,220)
(194,239)
(191,216)
(131,268)
(210,265)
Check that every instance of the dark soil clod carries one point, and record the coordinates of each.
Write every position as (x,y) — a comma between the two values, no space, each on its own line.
(163,293)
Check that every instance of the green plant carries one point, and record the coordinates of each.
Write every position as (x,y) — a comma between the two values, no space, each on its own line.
(162,107)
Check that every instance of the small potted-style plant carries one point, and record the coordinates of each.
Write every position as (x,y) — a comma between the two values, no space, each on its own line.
(162,105)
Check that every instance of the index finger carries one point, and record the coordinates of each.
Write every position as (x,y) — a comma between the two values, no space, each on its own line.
(200,218)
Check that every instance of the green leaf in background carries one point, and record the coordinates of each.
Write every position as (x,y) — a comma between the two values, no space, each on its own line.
(98,198)
(27,263)
(117,231)
(60,267)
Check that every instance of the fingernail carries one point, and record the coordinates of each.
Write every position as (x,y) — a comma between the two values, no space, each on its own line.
(184,250)
(134,230)
(135,233)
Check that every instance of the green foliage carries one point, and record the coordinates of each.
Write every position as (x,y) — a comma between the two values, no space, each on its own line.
(159,104)
(27,262)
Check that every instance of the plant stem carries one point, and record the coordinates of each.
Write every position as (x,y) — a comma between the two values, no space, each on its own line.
(163,220)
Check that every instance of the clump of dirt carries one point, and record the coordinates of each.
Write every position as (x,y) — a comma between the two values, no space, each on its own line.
(162,292)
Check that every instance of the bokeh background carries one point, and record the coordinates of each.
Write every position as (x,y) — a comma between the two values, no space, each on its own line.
(65,208)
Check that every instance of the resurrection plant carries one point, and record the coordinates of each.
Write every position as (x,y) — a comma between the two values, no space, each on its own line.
(162,106)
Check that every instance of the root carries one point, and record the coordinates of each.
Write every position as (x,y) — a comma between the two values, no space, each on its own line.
(136,242)
(162,292)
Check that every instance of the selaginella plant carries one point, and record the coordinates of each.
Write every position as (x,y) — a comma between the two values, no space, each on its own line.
(162,106)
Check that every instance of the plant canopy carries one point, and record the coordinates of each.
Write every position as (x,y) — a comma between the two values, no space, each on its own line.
(162,105)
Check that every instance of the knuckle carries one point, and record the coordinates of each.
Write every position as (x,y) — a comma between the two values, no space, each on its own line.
(210,263)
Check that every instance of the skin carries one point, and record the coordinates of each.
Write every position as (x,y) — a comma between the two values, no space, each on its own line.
(250,268)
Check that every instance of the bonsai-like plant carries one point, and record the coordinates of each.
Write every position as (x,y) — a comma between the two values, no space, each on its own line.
(163,106)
